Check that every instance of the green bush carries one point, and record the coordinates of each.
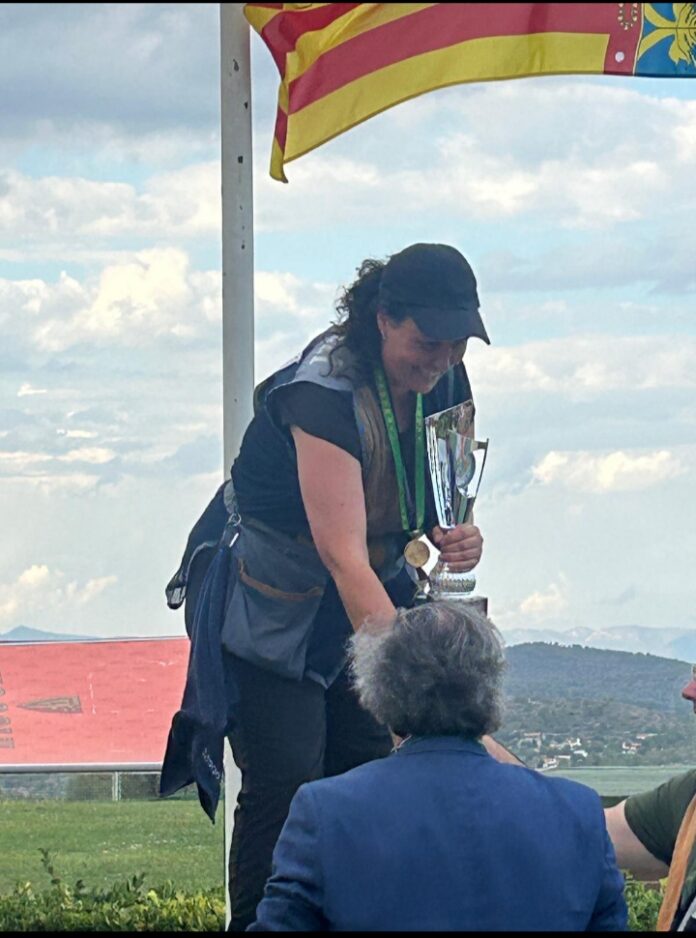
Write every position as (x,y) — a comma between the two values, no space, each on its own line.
(126,906)
(643,901)
(131,906)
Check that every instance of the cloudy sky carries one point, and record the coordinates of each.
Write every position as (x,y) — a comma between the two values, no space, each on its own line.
(572,197)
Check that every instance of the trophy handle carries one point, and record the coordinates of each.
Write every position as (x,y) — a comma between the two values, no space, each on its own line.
(476,445)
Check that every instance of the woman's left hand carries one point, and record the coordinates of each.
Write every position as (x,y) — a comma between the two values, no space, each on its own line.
(460,547)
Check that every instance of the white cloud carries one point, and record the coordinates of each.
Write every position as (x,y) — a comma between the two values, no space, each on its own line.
(284,293)
(172,205)
(613,472)
(27,390)
(546,604)
(51,484)
(187,202)
(20,462)
(34,577)
(98,455)
(84,595)
(134,302)
(586,365)
(38,588)
(580,158)
(289,311)
(76,434)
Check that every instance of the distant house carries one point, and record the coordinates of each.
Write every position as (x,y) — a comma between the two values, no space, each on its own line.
(564,742)
(531,740)
(563,759)
(630,747)
(579,754)
(548,762)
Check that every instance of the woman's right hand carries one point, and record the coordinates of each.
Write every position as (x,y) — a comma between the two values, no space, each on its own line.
(460,547)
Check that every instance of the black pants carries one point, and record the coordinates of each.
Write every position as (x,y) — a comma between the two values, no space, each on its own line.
(286,733)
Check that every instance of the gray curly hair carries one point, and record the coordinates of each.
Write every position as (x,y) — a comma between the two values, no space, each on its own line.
(435,670)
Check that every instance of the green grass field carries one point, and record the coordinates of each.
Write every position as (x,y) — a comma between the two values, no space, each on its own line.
(104,841)
(621,780)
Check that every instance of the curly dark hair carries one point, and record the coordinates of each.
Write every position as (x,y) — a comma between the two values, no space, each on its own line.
(357,308)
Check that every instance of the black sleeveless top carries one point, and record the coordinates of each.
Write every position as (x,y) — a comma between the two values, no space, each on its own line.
(265,472)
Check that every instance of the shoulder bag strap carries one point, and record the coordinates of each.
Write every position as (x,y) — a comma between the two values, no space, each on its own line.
(677,868)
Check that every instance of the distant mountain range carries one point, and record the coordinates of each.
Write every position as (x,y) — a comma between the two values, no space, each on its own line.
(677,643)
(541,671)
(23,633)
(622,708)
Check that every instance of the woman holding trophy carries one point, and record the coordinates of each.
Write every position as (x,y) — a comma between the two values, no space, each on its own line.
(332,492)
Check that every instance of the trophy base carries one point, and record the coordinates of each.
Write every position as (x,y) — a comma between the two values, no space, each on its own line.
(480,603)
(455,587)
(448,584)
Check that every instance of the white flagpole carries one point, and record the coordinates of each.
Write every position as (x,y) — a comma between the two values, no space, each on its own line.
(237,229)
(237,278)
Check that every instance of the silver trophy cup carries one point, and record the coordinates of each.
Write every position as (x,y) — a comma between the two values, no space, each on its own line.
(456,464)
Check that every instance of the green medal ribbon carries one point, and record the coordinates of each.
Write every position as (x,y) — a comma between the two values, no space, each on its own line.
(393,433)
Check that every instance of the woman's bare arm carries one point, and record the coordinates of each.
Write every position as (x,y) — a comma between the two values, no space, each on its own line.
(334,499)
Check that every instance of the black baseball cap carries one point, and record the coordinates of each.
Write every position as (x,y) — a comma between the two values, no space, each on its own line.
(434,285)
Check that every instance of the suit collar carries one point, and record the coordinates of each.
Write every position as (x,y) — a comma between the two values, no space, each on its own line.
(414,744)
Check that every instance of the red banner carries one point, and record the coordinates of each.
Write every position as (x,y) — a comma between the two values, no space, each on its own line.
(79,704)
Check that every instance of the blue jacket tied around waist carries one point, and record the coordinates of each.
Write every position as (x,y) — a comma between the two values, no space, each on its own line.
(196,739)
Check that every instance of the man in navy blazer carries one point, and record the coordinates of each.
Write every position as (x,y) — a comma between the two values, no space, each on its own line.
(439,835)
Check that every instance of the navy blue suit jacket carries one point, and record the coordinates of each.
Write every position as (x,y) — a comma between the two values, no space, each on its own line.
(440,836)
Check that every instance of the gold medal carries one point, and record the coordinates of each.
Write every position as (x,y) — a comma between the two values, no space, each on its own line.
(416,552)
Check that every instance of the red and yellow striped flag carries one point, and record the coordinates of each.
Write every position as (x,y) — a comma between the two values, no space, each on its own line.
(341,63)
